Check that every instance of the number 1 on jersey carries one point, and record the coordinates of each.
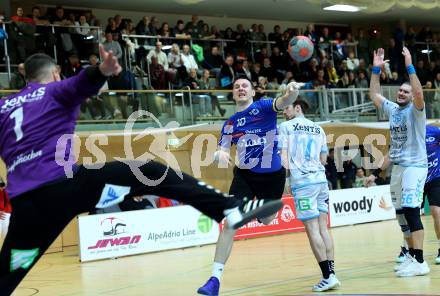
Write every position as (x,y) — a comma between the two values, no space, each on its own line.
(18,116)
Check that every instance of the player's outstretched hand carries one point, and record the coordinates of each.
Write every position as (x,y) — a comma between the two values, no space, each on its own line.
(293,88)
(222,157)
(379,58)
(110,65)
(407,56)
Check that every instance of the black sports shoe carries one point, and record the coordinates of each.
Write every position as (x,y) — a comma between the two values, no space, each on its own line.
(401,257)
(263,211)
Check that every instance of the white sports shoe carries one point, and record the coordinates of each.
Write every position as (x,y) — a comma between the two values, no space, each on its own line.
(327,284)
(406,261)
(414,269)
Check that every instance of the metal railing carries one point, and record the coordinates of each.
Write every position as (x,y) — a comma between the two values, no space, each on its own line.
(184,105)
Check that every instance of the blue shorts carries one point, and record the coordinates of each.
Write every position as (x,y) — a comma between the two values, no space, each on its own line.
(311,200)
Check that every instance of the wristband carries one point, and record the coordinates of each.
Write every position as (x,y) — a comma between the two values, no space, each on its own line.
(376,172)
(411,70)
(376,70)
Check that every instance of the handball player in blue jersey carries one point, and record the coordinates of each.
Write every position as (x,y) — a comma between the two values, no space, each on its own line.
(407,117)
(44,198)
(432,185)
(259,176)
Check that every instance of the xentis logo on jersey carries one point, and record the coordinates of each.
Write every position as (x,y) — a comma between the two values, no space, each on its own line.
(17,101)
(115,235)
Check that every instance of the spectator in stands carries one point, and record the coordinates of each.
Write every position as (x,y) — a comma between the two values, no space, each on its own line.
(240,38)
(3,37)
(112,45)
(159,54)
(166,32)
(422,73)
(227,73)
(209,84)
(364,68)
(428,95)
(395,79)
(154,26)
(320,81)
(230,46)
(425,35)
(142,28)
(376,42)
(44,38)
(188,59)
(244,70)
(350,44)
(313,68)
(18,80)
(360,178)
(352,62)
(113,29)
(73,66)
(324,41)
(277,37)
(395,57)
(179,32)
(175,63)
(363,46)
(204,101)
(310,32)
(206,33)
(256,72)
(279,62)
(21,36)
(361,81)
(192,27)
(157,72)
(436,99)
(213,61)
(288,78)
(267,70)
(330,170)
(332,75)
(65,45)
(261,55)
(261,35)
(215,32)
(82,27)
(260,89)
(349,174)
(433,70)
(252,34)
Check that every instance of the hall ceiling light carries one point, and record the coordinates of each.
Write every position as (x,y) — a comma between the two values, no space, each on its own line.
(342,7)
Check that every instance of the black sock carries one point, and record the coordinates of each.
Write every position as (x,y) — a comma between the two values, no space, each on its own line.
(411,252)
(331,264)
(325,269)
(418,254)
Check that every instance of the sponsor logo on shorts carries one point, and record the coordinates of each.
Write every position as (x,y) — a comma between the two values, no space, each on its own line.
(23,258)
(304,204)
(204,223)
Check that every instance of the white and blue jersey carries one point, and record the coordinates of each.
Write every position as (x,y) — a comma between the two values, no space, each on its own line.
(254,132)
(304,141)
(407,129)
(433,151)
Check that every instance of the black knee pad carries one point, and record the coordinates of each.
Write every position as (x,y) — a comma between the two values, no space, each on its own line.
(412,216)
(399,212)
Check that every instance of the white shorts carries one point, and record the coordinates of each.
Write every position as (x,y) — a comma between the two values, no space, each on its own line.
(4,225)
(311,200)
(407,185)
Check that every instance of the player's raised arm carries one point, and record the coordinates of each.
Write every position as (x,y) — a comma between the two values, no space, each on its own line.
(416,86)
(378,63)
(289,97)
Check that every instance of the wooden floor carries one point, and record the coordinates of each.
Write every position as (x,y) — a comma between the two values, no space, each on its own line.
(278,265)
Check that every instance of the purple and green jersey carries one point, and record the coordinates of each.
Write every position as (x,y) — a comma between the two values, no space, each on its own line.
(31,124)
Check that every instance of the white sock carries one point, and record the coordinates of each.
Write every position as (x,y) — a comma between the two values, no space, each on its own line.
(217,270)
(405,244)
(233,216)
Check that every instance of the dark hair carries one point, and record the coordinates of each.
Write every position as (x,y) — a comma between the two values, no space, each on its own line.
(36,66)
(303,104)
(243,76)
